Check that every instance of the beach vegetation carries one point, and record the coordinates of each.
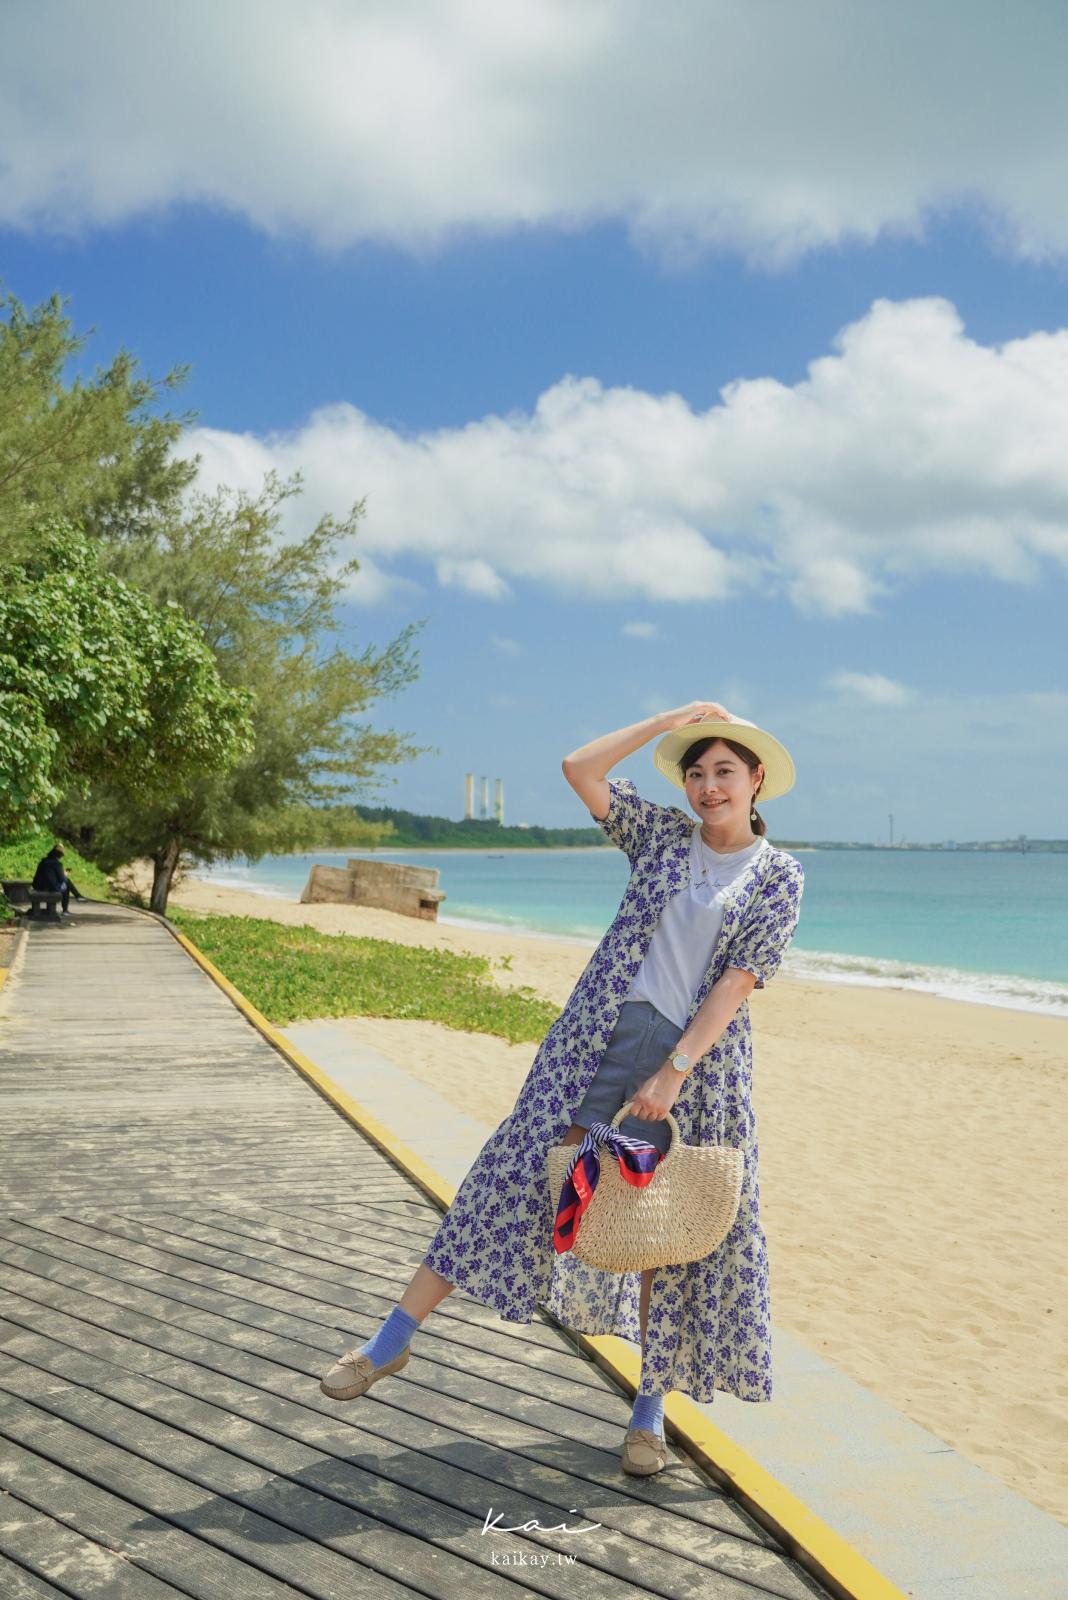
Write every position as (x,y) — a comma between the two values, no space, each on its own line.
(411,831)
(266,606)
(94,450)
(186,696)
(98,683)
(292,973)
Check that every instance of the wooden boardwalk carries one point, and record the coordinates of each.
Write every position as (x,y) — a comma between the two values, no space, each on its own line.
(190,1234)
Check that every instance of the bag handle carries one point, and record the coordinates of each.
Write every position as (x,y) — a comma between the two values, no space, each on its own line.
(672,1124)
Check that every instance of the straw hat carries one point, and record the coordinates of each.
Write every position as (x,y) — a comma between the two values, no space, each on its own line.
(779,773)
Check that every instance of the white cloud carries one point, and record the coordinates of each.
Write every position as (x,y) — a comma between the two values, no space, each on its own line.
(640,630)
(507,647)
(910,449)
(872,687)
(774,129)
(476,576)
(372,586)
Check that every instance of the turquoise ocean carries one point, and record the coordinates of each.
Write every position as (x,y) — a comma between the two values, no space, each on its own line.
(990,927)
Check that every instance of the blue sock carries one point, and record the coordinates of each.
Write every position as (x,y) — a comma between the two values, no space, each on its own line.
(391,1337)
(649,1413)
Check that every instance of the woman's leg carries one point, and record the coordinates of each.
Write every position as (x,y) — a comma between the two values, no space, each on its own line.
(648,1409)
(426,1290)
(643,1299)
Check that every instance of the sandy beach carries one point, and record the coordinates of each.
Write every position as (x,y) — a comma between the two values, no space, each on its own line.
(910,1150)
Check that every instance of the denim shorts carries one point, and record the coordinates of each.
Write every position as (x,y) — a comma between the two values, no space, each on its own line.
(640,1044)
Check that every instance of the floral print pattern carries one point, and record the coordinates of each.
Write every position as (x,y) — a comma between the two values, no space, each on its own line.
(709,1323)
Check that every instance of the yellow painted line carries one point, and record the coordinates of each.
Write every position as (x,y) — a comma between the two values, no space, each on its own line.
(16,945)
(810,1540)
(805,1536)
(414,1166)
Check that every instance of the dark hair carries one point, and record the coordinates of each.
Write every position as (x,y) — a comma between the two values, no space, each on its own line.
(698,748)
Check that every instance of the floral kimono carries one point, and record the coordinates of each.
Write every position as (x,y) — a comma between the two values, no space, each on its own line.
(709,1323)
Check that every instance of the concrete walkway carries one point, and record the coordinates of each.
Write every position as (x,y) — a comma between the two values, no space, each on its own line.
(935,1524)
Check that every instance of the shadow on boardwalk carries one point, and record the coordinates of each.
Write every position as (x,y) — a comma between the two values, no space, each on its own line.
(190,1235)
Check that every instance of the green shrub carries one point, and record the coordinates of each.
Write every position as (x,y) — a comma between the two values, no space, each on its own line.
(298,972)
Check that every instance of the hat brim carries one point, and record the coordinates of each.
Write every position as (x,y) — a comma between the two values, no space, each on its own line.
(779,772)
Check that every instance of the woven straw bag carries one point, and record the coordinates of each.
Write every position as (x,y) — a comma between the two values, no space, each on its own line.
(682,1213)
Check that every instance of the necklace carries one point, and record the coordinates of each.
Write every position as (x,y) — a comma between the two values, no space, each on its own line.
(710,862)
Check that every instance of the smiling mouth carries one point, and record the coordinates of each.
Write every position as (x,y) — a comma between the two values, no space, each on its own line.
(712,805)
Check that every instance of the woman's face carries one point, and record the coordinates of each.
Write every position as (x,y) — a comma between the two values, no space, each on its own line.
(719,785)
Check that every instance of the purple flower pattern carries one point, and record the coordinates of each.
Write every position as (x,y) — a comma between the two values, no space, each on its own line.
(709,1324)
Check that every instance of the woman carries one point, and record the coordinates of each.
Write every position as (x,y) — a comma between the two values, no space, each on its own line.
(660,1016)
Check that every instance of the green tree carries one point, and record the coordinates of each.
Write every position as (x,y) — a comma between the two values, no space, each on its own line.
(267,608)
(92,450)
(99,683)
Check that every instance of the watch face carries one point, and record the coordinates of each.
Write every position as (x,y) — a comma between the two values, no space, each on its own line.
(680,1062)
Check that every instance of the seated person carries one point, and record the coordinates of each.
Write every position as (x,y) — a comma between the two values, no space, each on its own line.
(50,875)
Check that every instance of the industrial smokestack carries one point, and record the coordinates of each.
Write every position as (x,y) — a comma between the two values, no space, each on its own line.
(485,798)
(500,801)
(469,796)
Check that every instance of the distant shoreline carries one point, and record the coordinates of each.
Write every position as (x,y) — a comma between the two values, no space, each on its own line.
(1049,847)
(1033,997)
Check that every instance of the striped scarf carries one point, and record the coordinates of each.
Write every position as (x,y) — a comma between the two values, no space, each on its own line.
(637,1163)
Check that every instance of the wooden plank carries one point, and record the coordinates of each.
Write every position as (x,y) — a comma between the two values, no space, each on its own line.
(288,1369)
(362,1223)
(206,1264)
(212,1291)
(382,1245)
(208,1544)
(399,1415)
(400,1446)
(258,1240)
(312,1151)
(146,1194)
(296,1144)
(340,1296)
(19,1583)
(104,1548)
(463,1327)
(450,1344)
(142,1170)
(449,1513)
(455,1344)
(354,1531)
(468,1332)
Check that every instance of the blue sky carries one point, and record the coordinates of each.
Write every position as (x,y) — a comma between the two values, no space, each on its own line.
(599,460)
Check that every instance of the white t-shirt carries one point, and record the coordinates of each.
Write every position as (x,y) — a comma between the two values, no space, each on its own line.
(685,937)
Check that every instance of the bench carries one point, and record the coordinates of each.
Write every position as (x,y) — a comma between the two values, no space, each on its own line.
(42,902)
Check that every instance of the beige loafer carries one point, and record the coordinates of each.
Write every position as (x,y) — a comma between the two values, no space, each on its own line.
(353,1374)
(644,1452)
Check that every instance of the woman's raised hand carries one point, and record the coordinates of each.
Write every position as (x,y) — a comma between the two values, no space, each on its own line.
(696,711)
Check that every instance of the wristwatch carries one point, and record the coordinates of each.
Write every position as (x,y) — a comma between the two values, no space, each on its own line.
(680,1062)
